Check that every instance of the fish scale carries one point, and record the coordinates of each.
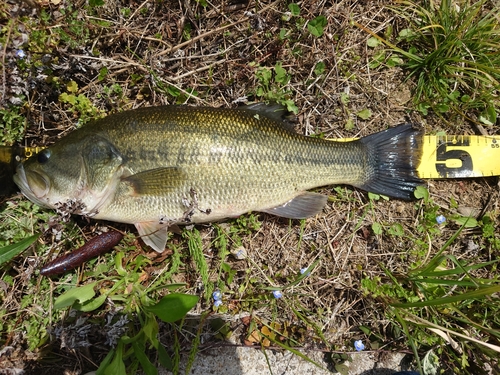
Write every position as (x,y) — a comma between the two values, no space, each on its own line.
(257,151)
(158,166)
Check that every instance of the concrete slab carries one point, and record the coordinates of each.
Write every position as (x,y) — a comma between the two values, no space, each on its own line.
(236,360)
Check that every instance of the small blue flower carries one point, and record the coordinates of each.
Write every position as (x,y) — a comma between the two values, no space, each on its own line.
(217,303)
(358,345)
(217,295)
(20,53)
(440,219)
(303,271)
(277,294)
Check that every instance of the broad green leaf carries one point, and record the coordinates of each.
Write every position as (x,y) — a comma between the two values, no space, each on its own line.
(147,366)
(103,72)
(91,304)
(81,294)
(377,60)
(9,252)
(430,363)
(442,108)
(317,25)
(364,114)
(488,116)
(372,42)
(405,33)
(164,358)
(454,95)
(377,228)
(283,34)
(349,125)
(468,222)
(174,91)
(421,192)
(290,105)
(294,8)
(281,75)
(173,306)
(423,108)
(105,362)
(72,86)
(396,230)
(117,367)
(319,68)
(344,98)
(150,328)
(264,75)
(394,61)
(342,369)
(71,99)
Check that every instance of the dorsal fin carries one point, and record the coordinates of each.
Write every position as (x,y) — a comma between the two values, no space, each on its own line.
(272,111)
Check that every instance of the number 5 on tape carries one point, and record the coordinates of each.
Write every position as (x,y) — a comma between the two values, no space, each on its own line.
(459,156)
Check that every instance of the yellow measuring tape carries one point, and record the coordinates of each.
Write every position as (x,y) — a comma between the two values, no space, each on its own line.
(9,154)
(459,156)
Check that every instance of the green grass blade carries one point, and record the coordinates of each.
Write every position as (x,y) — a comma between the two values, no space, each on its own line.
(11,251)
(479,293)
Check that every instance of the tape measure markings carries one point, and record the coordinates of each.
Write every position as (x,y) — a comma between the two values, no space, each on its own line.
(459,156)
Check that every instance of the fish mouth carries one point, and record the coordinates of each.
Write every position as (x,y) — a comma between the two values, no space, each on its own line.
(33,185)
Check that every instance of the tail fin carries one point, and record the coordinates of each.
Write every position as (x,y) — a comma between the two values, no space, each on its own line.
(393,157)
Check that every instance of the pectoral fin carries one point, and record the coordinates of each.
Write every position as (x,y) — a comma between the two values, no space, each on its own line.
(304,205)
(153,234)
(159,181)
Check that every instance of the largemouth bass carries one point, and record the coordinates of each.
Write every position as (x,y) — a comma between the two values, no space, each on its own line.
(159,166)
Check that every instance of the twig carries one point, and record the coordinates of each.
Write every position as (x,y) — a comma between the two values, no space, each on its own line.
(202,69)
(208,33)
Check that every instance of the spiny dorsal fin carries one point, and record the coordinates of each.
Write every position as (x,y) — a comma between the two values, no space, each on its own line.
(273,111)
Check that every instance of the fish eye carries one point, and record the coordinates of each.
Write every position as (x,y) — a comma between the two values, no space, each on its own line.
(43,156)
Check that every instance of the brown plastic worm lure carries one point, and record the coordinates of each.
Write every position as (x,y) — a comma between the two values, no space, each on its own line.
(94,247)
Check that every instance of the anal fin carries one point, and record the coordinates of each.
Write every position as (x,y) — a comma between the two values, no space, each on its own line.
(303,205)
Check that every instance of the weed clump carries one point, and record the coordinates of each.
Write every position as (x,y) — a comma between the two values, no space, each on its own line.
(451,50)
